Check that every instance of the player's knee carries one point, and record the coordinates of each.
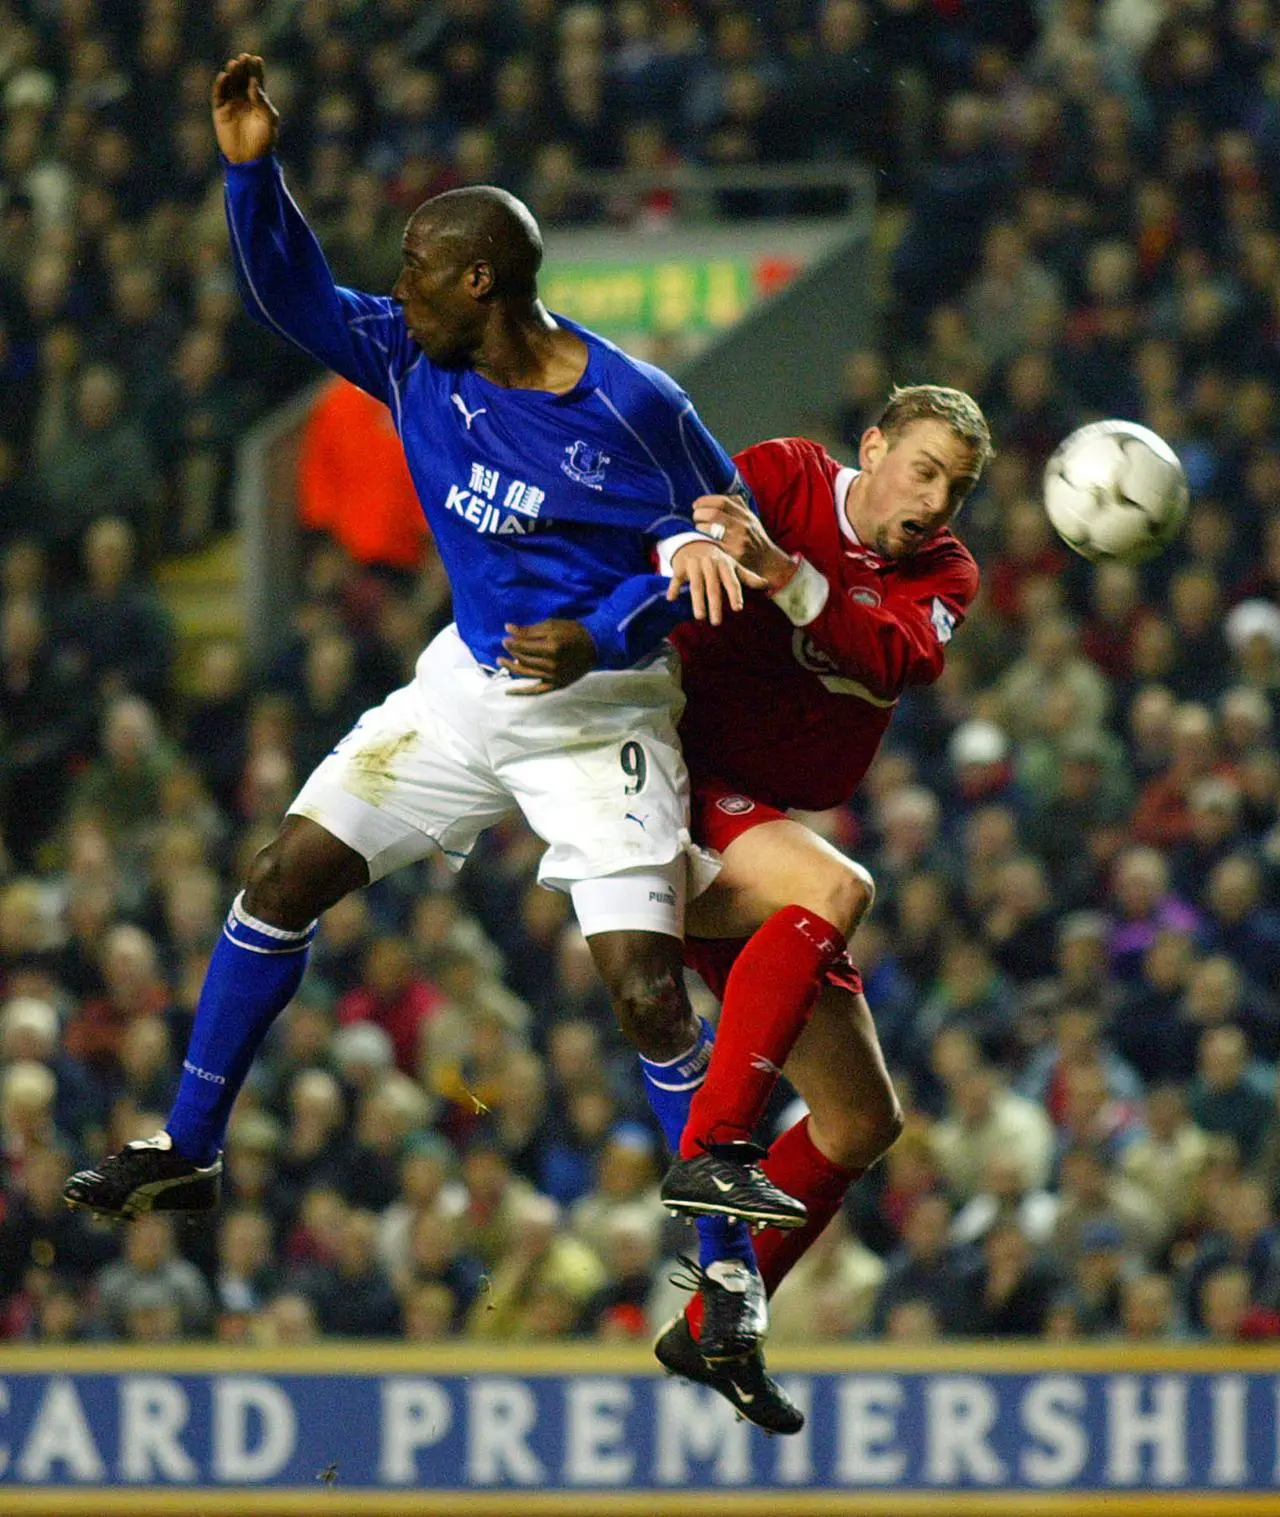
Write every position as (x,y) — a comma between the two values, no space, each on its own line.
(887,1122)
(273,892)
(848,892)
(654,1012)
(288,885)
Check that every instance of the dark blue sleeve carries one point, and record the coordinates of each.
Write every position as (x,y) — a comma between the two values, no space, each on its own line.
(286,286)
(634,619)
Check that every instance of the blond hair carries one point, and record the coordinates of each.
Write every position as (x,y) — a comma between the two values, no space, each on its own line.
(954,408)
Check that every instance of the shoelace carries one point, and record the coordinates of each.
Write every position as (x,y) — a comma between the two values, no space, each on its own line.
(695,1277)
(692,1279)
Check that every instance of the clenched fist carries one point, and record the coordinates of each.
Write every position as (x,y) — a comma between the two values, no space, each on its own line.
(741,534)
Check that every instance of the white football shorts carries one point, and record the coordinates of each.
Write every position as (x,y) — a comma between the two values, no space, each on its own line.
(596,770)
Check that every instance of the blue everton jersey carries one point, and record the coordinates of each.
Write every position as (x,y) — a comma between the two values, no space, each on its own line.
(542,505)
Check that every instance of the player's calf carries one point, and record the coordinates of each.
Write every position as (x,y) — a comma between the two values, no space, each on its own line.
(856,1137)
(838,1067)
(644,975)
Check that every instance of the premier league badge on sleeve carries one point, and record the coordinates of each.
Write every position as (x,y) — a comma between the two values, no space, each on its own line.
(585,464)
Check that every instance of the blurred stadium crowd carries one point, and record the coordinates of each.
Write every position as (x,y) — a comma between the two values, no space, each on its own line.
(1075,955)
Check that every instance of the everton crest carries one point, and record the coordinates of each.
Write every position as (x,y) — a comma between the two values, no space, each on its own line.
(585,464)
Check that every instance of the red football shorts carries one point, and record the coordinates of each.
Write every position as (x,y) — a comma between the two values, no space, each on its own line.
(719,816)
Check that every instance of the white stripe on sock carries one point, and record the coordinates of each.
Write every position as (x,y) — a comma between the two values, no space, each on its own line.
(256,948)
(688,1084)
(283,934)
(679,1058)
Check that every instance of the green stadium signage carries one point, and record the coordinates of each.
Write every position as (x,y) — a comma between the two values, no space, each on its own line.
(664,296)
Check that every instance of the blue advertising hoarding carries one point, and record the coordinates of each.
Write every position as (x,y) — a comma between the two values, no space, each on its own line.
(437,1430)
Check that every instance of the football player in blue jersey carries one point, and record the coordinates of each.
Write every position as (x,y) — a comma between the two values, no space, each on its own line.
(550,467)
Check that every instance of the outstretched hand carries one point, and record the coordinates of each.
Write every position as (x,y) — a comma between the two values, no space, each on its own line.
(555,653)
(712,577)
(244,120)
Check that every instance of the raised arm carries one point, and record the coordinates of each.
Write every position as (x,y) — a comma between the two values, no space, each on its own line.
(282,273)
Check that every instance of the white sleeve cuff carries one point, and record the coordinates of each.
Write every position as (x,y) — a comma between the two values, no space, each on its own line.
(668,547)
(804,594)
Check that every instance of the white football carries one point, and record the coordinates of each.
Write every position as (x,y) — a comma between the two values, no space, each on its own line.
(1115,491)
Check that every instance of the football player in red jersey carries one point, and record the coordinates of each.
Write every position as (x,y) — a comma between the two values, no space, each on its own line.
(786,708)
(787,705)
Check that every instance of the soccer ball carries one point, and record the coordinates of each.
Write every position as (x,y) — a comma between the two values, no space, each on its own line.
(1115,491)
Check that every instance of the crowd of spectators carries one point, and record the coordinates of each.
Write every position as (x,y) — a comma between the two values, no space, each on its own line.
(1074,958)
(126,367)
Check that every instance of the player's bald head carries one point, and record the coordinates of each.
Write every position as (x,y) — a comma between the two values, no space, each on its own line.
(482,224)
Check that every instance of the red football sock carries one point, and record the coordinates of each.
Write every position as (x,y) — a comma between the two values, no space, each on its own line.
(797,1165)
(767,1001)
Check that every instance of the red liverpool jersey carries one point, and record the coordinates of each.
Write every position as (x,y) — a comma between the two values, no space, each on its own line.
(788,700)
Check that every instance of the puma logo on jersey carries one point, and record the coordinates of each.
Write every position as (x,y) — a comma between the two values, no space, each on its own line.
(468,416)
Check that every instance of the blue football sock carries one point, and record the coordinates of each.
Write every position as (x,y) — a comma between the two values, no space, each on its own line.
(724,1238)
(669,1087)
(253,974)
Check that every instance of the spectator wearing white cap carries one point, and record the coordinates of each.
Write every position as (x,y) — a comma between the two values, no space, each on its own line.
(27,1094)
(627,1175)
(1252,631)
(981,764)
